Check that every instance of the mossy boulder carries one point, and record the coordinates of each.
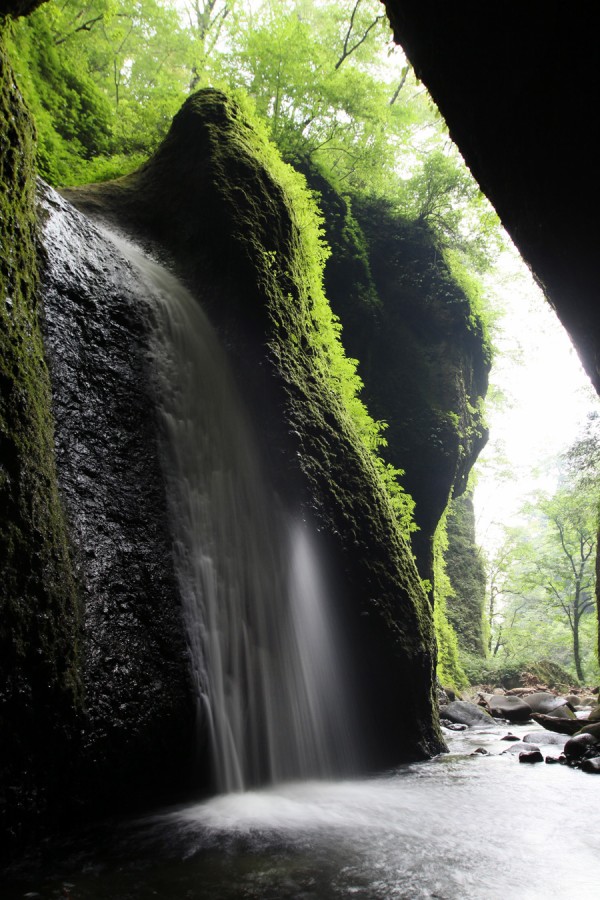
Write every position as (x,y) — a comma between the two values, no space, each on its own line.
(216,200)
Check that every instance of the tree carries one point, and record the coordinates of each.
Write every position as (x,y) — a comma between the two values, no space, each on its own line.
(543,580)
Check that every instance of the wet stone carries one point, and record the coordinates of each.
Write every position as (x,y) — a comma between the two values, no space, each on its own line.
(531,756)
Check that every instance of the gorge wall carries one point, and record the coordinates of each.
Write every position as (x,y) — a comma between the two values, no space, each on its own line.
(98,698)
(423,353)
(111,697)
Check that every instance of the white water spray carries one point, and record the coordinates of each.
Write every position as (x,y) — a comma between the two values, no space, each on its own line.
(265,666)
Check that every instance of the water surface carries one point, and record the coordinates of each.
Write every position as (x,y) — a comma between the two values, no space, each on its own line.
(459,827)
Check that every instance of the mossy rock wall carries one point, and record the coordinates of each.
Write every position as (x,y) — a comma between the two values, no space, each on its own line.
(40,621)
(466,571)
(212,200)
(423,355)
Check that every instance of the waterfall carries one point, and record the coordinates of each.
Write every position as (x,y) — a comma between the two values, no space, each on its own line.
(266,668)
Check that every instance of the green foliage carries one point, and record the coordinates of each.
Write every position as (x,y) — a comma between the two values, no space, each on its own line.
(104,78)
(516,671)
(543,593)
(103,81)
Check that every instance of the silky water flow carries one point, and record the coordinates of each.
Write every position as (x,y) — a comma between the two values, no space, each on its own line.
(262,649)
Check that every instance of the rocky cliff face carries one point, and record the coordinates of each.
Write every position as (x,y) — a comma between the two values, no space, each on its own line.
(138,723)
(212,201)
(424,357)
(91,634)
(40,609)
(466,571)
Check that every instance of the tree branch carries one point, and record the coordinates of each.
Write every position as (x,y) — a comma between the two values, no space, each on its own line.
(347,50)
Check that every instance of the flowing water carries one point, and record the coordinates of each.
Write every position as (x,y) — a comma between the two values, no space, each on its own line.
(266,666)
(460,827)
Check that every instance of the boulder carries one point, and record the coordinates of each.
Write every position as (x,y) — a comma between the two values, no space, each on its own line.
(464,713)
(531,756)
(592,728)
(549,704)
(512,708)
(578,746)
(591,765)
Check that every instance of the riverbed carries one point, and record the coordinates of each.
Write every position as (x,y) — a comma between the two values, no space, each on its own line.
(464,826)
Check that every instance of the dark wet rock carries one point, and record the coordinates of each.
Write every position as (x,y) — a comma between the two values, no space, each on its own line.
(577,746)
(137,686)
(453,726)
(464,713)
(552,760)
(480,751)
(591,765)
(512,708)
(554,723)
(531,756)
(510,737)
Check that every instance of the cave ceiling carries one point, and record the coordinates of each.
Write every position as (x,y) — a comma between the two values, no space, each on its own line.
(518,86)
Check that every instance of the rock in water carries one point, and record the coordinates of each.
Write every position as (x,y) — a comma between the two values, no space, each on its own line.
(465,713)
(549,704)
(512,708)
(531,756)
(577,746)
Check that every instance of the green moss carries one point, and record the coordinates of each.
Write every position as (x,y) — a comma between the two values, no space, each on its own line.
(39,613)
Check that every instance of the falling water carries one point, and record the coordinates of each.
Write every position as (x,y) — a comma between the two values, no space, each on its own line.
(265,665)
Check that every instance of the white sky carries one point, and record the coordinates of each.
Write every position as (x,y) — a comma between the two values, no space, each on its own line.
(548,393)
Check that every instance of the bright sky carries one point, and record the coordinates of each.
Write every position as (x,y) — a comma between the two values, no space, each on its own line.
(548,398)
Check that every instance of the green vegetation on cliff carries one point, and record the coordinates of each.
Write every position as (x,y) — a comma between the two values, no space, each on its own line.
(39,611)
(450,671)
(466,572)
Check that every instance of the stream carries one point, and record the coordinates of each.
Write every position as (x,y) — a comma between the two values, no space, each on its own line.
(457,827)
